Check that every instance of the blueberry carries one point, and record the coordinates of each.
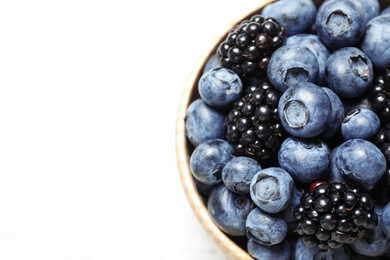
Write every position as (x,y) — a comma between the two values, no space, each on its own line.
(371,8)
(291,64)
(229,210)
(314,43)
(385,11)
(376,41)
(220,87)
(385,220)
(203,122)
(336,115)
(281,251)
(361,162)
(305,160)
(334,174)
(340,23)
(208,160)
(295,16)
(203,189)
(211,63)
(349,72)
(271,189)
(264,228)
(302,252)
(360,123)
(304,110)
(238,172)
(374,243)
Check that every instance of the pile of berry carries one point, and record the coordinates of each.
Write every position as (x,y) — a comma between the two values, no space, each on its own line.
(332,215)
(290,133)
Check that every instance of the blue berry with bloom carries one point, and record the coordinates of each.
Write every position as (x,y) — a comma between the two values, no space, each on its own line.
(304,110)
(220,87)
(340,23)
(238,173)
(208,160)
(292,64)
(203,123)
(272,189)
(349,72)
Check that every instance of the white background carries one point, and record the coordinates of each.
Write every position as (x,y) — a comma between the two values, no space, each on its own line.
(89,92)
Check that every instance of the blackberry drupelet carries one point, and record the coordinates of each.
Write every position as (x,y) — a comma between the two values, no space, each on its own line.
(331,215)
(249,45)
(382,141)
(253,125)
(380,96)
(380,102)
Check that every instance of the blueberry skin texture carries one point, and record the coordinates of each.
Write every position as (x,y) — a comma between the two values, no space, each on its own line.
(305,160)
(371,8)
(361,162)
(376,41)
(211,63)
(314,43)
(374,242)
(208,160)
(238,173)
(264,228)
(360,123)
(295,16)
(291,64)
(385,11)
(336,116)
(271,189)
(220,87)
(340,23)
(203,189)
(302,252)
(304,110)
(281,251)
(349,72)
(334,174)
(203,123)
(385,220)
(229,210)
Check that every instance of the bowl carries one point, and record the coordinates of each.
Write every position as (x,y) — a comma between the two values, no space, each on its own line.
(230,247)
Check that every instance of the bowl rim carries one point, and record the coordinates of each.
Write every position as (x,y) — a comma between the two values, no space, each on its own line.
(230,248)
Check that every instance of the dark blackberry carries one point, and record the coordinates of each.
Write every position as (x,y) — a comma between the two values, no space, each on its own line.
(321,222)
(249,45)
(253,125)
(379,96)
(382,141)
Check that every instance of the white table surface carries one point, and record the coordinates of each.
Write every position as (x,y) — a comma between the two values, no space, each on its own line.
(89,92)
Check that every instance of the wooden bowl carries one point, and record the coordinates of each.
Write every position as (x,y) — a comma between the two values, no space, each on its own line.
(184,148)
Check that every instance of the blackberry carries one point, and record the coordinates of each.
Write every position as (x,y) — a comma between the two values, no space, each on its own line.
(330,223)
(380,102)
(249,45)
(382,141)
(253,126)
(379,96)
